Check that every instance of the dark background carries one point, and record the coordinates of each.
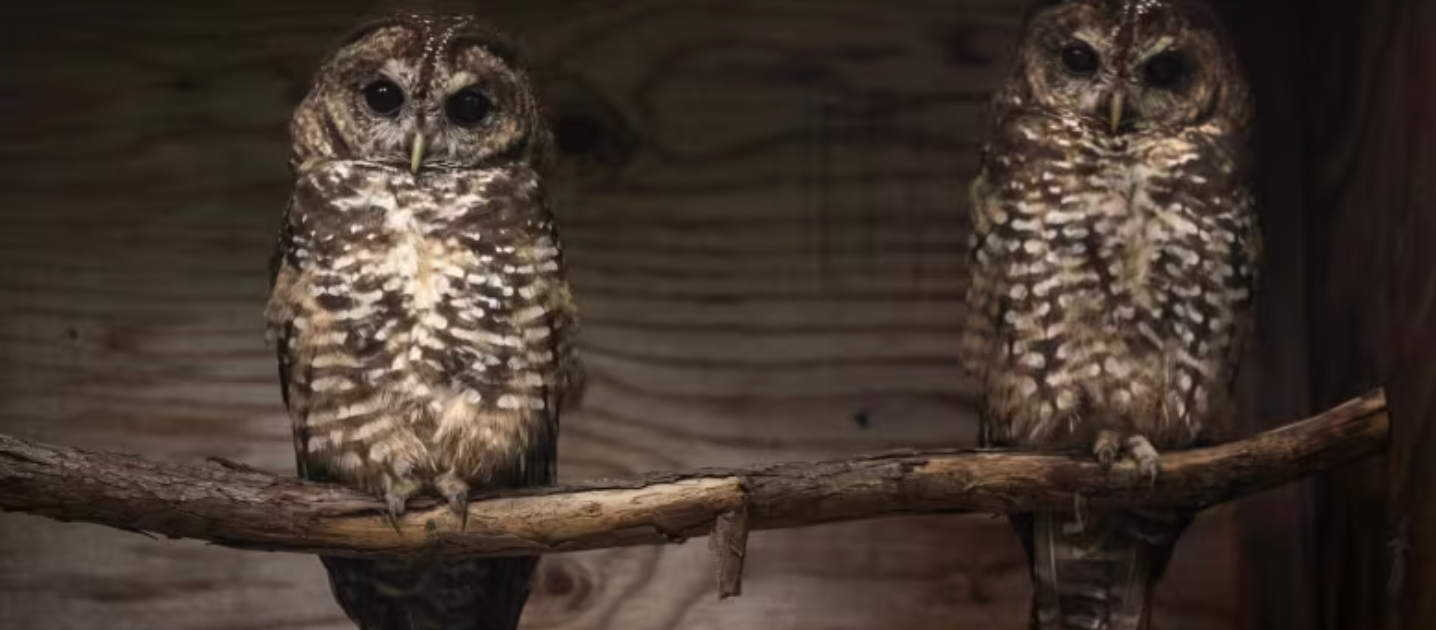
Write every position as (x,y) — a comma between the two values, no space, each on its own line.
(765,203)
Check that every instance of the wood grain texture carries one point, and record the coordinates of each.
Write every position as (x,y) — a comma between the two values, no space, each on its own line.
(1374,295)
(764,206)
(1271,37)
(234,505)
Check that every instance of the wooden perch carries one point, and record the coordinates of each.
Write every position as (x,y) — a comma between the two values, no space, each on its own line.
(231,505)
(729,544)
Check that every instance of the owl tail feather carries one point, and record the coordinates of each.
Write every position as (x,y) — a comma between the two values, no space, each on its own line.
(431,593)
(1096,570)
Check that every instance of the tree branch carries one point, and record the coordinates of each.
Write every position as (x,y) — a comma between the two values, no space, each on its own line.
(231,505)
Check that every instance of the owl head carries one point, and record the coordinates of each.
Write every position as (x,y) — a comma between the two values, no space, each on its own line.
(1129,66)
(421,91)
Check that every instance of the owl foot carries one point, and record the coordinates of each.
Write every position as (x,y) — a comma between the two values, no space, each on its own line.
(1148,460)
(1107,447)
(395,509)
(396,496)
(456,492)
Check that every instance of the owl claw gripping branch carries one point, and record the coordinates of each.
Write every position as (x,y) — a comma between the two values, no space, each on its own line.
(1114,259)
(1109,446)
(425,332)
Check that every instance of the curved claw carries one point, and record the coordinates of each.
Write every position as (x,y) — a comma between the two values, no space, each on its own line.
(1146,456)
(459,503)
(1107,447)
(456,492)
(395,509)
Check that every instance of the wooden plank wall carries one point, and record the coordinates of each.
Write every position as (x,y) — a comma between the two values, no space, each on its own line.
(764,204)
(1373,153)
(1275,576)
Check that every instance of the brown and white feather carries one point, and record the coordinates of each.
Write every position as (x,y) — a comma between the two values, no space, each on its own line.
(425,331)
(1114,261)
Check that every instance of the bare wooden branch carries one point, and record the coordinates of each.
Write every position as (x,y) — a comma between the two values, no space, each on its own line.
(236,507)
(729,544)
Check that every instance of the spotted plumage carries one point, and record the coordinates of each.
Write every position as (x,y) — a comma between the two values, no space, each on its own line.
(1114,259)
(425,333)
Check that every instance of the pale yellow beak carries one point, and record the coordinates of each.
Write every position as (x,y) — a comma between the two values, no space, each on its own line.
(1116,111)
(418,157)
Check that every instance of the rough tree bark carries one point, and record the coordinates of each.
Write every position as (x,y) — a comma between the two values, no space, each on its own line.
(231,505)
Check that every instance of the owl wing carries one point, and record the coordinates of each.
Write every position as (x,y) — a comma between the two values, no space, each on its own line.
(1245,263)
(1009,178)
(565,384)
(984,302)
(284,275)
(1238,284)
(571,380)
(980,318)
(980,333)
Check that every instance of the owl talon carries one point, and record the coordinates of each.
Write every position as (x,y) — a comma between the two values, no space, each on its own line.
(459,503)
(1108,446)
(395,510)
(457,493)
(1146,456)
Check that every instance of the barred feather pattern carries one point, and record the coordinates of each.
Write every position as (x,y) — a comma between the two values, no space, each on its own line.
(425,336)
(425,332)
(1111,283)
(1114,259)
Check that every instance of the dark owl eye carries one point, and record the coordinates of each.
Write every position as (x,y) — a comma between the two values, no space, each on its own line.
(1165,70)
(383,97)
(1079,58)
(468,107)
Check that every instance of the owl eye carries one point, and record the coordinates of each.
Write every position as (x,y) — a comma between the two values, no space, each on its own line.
(1165,69)
(1079,58)
(383,97)
(468,107)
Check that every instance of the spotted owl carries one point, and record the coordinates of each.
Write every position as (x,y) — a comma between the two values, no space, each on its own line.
(1114,260)
(424,328)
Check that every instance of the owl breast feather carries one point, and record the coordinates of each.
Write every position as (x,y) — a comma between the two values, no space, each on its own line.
(421,310)
(1108,282)
(428,271)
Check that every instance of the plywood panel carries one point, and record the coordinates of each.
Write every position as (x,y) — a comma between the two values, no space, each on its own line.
(1374,304)
(764,207)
